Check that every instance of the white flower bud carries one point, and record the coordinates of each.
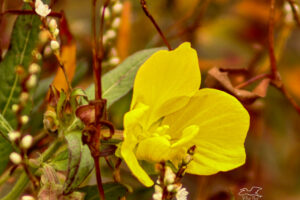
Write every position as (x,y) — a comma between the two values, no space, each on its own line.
(171,188)
(24,119)
(54,45)
(41,8)
(15,107)
(14,135)
(52,25)
(110,34)
(106,13)
(24,97)
(26,141)
(34,68)
(31,82)
(117,8)
(182,194)
(169,176)
(116,23)
(114,61)
(157,196)
(27,197)
(15,158)
(157,189)
(56,32)
(187,159)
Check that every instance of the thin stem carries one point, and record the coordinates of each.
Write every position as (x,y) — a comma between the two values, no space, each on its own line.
(271,41)
(252,80)
(146,11)
(98,176)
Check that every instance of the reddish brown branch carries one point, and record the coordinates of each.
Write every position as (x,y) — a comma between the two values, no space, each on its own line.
(147,13)
(271,41)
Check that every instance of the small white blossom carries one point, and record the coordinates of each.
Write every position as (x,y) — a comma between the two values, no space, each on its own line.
(116,23)
(41,8)
(15,107)
(117,8)
(34,68)
(27,197)
(52,25)
(56,32)
(182,194)
(114,61)
(54,45)
(26,141)
(110,34)
(15,158)
(24,97)
(157,196)
(24,119)
(106,13)
(169,176)
(14,135)
(31,82)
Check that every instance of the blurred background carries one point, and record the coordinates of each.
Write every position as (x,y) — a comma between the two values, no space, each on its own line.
(227,34)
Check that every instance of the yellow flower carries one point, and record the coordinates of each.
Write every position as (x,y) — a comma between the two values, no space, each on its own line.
(169,114)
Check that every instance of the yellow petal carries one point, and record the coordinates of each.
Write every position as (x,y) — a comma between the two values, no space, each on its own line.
(223,124)
(153,149)
(132,130)
(166,81)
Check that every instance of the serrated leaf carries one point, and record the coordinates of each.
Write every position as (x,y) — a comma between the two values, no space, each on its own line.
(23,41)
(112,191)
(80,162)
(119,81)
(5,145)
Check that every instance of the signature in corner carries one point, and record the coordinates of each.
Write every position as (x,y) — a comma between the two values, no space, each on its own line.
(252,194)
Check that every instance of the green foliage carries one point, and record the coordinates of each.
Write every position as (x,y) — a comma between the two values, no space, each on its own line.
(119,81)
(112,191)
(5,145)
(80,162)
(24,40)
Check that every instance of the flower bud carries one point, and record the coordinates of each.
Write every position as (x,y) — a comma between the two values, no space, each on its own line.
(15,108)
(110,34)
(157,196)
(34,68)
(114,61)
(171,188)
(31,82)
(52,25)
(24,97)
(54,45)
(24,119)
(56,32)
(43,36)
(27,197)
(169,176)
(187,159)
(117,8)
(26,141)
(15,158)
(14,135)
(27,1)
(106,13)
(116,23)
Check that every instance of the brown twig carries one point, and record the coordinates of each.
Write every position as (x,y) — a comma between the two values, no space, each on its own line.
(295,12)
(252,80)
(147,13)
(271,42)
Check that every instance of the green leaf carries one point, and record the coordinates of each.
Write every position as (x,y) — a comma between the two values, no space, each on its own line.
(5,145)
(24,39)
(112,191)
(119,81)
(80,162)
(60,162)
